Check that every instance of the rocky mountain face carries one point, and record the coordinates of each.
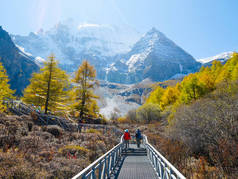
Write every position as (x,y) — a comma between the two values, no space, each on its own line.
(119,54)
(19,66)
(71,44)
(155,57)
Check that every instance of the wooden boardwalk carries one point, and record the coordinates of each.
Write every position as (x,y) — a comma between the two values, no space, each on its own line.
(136,165)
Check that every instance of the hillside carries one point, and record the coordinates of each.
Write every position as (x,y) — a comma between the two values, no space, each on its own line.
(197,120)
(31,151)
(19,66)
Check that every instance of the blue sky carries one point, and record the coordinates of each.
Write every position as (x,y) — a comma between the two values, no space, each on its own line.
(202,27)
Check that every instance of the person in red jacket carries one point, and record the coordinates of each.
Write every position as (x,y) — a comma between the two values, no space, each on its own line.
(126,138)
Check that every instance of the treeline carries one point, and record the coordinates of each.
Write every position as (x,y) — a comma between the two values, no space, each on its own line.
(200,120)
(197,85)
(52,90)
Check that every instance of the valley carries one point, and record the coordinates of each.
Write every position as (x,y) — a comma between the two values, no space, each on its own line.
(71,91)
(131,62)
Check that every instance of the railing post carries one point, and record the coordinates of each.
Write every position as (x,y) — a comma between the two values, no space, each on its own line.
(112,162)
(156,164)
(100,170)
(93,176)
(104,168)
(108,165)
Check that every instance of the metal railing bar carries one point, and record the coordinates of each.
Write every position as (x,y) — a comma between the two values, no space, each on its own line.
(164,162)
(106,158)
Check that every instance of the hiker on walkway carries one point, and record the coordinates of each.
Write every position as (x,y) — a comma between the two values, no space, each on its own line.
(126,138)
(138,137)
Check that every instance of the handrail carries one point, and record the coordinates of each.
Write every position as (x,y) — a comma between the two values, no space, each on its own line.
(105,164)
(162,166)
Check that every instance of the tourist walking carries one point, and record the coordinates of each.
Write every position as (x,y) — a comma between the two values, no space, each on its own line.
(126,138)
(138,137)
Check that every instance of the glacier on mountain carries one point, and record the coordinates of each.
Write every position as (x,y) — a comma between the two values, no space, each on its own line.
(220,57)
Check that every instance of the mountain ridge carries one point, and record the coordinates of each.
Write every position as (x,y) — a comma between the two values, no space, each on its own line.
(19,66)
(222,57)
(115,58)
(151,54)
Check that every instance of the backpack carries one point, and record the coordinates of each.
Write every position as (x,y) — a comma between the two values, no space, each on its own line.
(138,135)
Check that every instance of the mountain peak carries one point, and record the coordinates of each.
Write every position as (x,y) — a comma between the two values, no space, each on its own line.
(153,31)
(5,38)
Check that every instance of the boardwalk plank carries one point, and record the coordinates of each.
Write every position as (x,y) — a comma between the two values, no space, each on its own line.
(137,167)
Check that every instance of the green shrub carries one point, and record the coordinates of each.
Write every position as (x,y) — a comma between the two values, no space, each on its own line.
(148,113)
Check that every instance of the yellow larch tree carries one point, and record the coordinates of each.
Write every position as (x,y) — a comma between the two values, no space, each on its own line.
(84,102)
(48,89)
(5,91)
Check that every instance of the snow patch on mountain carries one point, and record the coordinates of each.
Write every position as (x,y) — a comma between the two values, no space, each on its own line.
(137,60)
(81,26)
(220,57)
(181,68)
(111,67)
(23,52)
(39,60)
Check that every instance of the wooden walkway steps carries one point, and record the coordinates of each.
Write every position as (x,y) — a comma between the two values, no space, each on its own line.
(136,164)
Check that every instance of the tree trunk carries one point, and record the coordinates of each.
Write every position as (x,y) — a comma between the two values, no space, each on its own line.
(84,86)
(48,88)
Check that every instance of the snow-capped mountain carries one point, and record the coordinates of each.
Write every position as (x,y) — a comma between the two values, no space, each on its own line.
(118,53)
(72,43)
(38,60)
(154,56)
(223,57)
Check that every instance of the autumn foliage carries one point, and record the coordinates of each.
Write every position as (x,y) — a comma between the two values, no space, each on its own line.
(201,138)
(197,85)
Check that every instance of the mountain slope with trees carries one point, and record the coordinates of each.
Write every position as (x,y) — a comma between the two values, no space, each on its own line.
(197,120)
(18,65)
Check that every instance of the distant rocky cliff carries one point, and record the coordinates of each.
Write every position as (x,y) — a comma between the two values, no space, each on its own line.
(18,65)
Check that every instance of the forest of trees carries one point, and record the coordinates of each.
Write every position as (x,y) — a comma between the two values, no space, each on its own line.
(52,90)
(197,85)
